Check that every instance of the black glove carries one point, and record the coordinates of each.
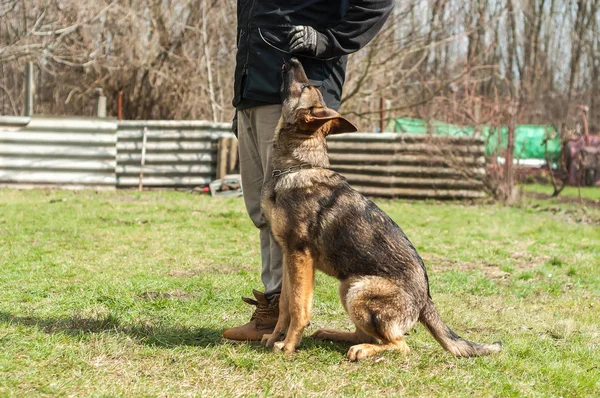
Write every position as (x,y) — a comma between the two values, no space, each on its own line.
(303,40)
(234,127)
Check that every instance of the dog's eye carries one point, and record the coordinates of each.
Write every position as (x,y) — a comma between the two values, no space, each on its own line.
(304,86)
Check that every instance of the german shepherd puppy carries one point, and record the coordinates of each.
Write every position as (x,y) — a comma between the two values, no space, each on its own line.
(321,223)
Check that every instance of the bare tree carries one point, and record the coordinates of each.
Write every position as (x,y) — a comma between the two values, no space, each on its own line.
(451,60)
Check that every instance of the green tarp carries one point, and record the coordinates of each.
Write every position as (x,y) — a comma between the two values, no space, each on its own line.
(529,139)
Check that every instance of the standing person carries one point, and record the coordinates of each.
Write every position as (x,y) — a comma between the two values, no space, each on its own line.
(320,33)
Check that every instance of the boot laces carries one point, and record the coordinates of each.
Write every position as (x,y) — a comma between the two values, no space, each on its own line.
(265,311)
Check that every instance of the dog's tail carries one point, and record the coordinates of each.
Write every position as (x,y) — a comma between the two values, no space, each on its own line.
(450,340)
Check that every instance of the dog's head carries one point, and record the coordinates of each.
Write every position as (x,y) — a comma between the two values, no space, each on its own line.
(303,105)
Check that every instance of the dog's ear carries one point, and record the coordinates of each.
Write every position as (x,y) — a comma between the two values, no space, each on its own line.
(317,117)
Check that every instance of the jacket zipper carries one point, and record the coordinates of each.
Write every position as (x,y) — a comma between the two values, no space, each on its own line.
(250,15)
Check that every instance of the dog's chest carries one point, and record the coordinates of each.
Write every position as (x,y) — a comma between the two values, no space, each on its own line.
(285,203)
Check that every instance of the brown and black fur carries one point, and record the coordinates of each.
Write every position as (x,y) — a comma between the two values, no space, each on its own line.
(321,223)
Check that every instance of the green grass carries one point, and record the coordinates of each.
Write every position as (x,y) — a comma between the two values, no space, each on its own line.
(586,192)
(126,294)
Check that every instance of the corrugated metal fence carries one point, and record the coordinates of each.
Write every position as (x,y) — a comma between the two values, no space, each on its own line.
(72,152)
(404,165)
(178,153)
(50,151)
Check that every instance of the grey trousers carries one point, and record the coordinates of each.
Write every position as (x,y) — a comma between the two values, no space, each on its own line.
(256,127)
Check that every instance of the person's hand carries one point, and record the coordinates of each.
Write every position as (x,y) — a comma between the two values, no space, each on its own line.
(303,40)
(234,124)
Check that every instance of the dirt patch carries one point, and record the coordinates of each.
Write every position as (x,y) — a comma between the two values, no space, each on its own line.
(176,294)
(128,223)
(440,264)
(586,211)
(564,199)
(525,261)
(217,268)
(187,273)
(521,261)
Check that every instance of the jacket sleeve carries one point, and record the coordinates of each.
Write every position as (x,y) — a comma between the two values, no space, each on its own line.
(361,23)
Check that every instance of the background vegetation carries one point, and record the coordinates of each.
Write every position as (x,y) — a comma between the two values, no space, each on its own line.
(459,61)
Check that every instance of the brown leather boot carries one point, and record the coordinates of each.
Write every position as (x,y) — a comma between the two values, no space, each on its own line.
(263,320)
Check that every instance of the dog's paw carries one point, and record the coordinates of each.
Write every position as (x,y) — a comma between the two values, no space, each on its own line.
(268,340)
(360,351)
(264,341)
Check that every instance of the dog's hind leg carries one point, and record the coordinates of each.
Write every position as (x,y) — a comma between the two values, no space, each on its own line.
(356,337)
(378,307)
(362,351)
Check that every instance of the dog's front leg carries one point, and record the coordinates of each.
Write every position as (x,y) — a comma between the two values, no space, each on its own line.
(283,322)
(300,284)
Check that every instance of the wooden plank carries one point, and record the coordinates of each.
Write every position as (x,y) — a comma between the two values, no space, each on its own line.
(233,156)
(223,148)
(397,147)
(408,159)
(390,137)
(407,170)
(393,181)
(419,193)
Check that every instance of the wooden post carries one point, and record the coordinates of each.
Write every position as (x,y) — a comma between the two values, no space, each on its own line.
(430,115)
(29,89)
(100,103)
(120,106)
(143,161)
(477,112)
(222,155)
(454,104)
(227,156)
(510,149)
(233,155)
(586,130)
(381,115)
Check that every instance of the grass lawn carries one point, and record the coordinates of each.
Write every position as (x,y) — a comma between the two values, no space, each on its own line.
(569,191)
(126,294)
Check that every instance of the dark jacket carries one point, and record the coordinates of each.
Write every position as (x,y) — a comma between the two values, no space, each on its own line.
(344,27)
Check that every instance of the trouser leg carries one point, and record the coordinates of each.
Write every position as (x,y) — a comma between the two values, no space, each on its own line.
(256,127)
